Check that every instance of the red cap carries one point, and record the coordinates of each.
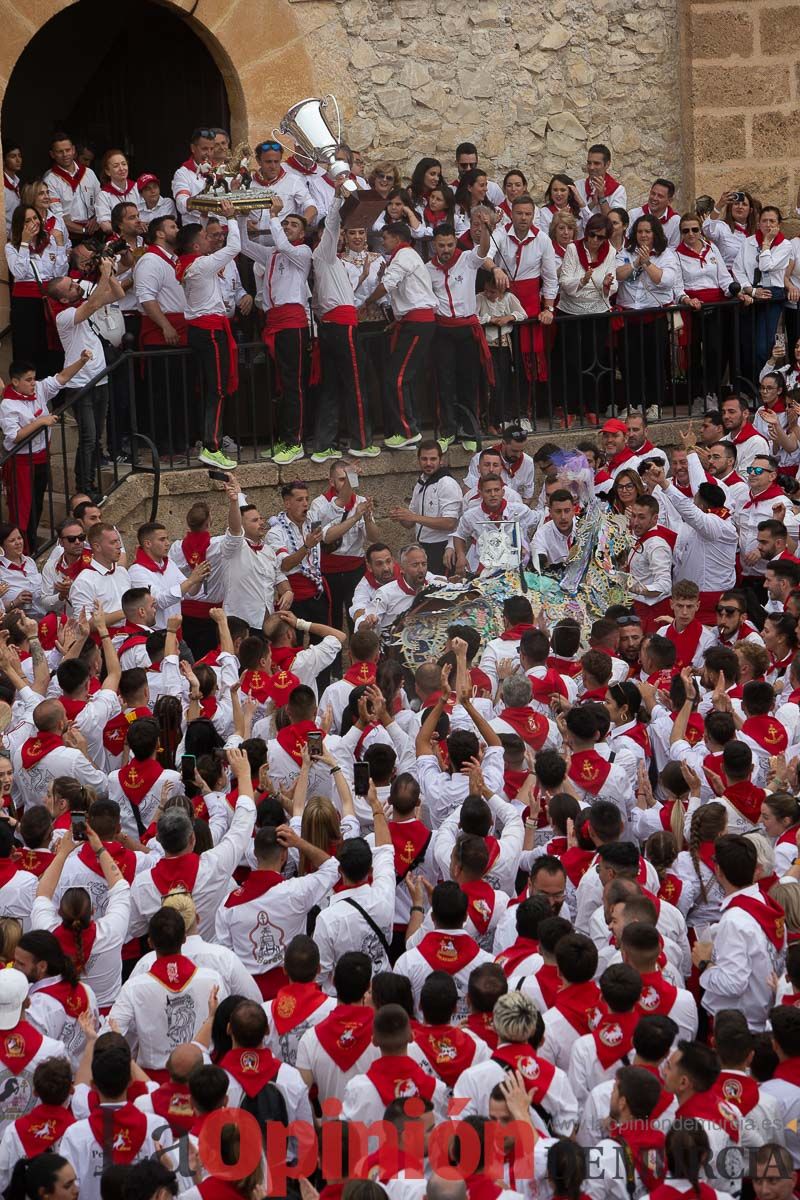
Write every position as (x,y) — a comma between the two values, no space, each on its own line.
(614,426)
(143,180)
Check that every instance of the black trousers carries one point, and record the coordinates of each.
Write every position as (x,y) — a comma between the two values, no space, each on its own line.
(435,552)
(499,398)
(408,357)
(316,609)
(164,412)
(342,392)
(459,379)
(292,360)
(583,354)
(200,635)
(341,585)
(211,351)
(29,336)
(643,355)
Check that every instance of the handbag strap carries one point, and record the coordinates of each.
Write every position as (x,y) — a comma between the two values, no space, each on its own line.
(379,934)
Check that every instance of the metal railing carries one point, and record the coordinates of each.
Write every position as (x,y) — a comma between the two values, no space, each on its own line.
(577,369)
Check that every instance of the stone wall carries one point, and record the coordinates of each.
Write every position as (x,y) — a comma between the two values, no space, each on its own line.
(745,97)
(530,85)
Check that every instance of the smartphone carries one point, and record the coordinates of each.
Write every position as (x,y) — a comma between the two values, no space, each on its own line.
(220,476)
(78,821)
(361,778)
(316,526)
(188,767)
(352,478)
(314,741)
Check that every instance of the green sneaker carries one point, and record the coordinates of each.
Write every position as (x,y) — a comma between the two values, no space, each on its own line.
(469,445)
(445,443)
(365,452)
(289,454)
(398,442)
(278,448)
(321,456)
(215,458)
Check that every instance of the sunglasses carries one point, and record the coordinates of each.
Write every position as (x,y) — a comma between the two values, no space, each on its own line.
(269,146)
(631,620)
(519,438)
(691,229)
(601,237)
(759,470)
(205,133)
(383,175)
(72,537)
(724,610)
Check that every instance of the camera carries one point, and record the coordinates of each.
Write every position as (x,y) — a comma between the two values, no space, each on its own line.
(739,197)
(113,247)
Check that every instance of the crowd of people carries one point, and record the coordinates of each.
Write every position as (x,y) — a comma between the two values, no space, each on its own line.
(259,874)
(514,306)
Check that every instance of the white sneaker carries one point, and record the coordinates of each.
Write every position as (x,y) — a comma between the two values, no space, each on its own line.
(653,413)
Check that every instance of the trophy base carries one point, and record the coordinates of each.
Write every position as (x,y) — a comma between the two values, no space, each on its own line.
(361,210)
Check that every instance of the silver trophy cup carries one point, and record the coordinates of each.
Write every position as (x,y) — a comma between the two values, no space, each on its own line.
(307,124)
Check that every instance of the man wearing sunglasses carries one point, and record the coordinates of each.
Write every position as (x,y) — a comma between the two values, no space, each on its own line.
(738,429)
(732,625)
(70,556)
(190,177)
(292,189)
(767,501)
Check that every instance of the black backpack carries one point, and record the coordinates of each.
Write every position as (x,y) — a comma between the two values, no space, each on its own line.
(266,1105)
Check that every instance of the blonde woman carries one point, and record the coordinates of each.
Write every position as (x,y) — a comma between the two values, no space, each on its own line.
(316,819)
(115,186)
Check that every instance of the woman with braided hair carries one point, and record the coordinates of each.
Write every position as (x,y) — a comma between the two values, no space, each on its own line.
(695,866)
(780,816)
(661,849)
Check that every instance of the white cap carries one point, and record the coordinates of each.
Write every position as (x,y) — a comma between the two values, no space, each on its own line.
(13,994)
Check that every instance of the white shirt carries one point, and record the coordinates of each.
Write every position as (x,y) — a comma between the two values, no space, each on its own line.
(518,475)
(454,283)
(16,414)
(728,241)
(407,282)
(212,589)
(16,900)
(164,587)
(79,204)
(163,207)
(154,279)
(333,286)
(77,337)
(287,265)
(643,292)
(771,263)
(105,201)
(743,960)
(34,781)
(21,577)
(97,582)
(391,601)
(707,554)
(442,792)
(595,1112)
(578,297)
(670,223)
(442,498)
(149,802)
(503,870)
(82,1150)
(16,1102)
(650,566)
(188,182)
(708,270)
(202,286)
(415,966)
(750,448)
(618,198)
(476,521)
(362,1101)
(51,263)
(551,544)
(340,927)
(532,257)
(293,191)
(477,1082)
(236,978)
(103,970)
(330,512)
(251,577)
(284,1045)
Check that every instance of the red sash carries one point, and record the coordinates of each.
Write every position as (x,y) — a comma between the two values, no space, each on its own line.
(531,726)
(518,1056)
(116,731)
(124,1127)
(739,1090)
(589,771)
(214,322)
(36,748)
(510,959)
(479,337)
(769,915)
(43,1126)
(444,952)
(481,902)
(613,1037)
(447,1048)
(293,738)
(766,732)
(707,1106)
(396,1076)
(137,778)
(346,1033)
(294,1004)
(151,334)
(252,1069)
(581,1005)
(658,995)
(171,873)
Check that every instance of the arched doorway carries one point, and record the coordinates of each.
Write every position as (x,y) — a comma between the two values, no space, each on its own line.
(133,75)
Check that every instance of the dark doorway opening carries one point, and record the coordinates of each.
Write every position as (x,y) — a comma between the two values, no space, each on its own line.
(134,76)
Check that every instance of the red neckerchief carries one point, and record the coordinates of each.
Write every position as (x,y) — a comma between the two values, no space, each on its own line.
(658,994)
(789,836)
(658,531)
(124,859)
(8,869)
(396,1075)
(685,643)
(144,560)
(481,1025)
(410,839)
(589,771)
(759,236)
(444,952)
(445,267)
(137,778)
(73,998)
(180,871)
(346,1033)
(74,181)
(294,162)
(174,971)
(564,666)
(447,1048)
(435,218)
(510,959)
(331,495)
(123,1128)
(587,263)
(195,546)
(576,862)
(280,686)
(11,185)
(780,664)
(788,1070)
(293,738)
(519,1056)
(372,581)
(37,747)
(183,264)
(514,632)
(259,178)
(284,656)
(773,492)
(581,1005)
(646,1144)
(613,1036)
(531,726)
(173,1102)
(68,941)
(665,1191)
(11,393)
(116,731)
(294,1004)
(707,1106)
(73,570)
(640,736)
(747,431)
(35,862)
(668,215)
(162,253)
(493,847)
(481,901)
(361,673)
(402,246)
(406,587)
(18,1046)
(111,189)
(208,707)
(252,1069)
(218,1189)
(610,185)
(257,884)
(42,1127)
(769,915)
(767,732)
(695,727)
(549,982)
(746,799)
(257,685)
(369,728)
(513,781)
(792,998)
(687,252)
(622,456)
(740,1090)
(511,466)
